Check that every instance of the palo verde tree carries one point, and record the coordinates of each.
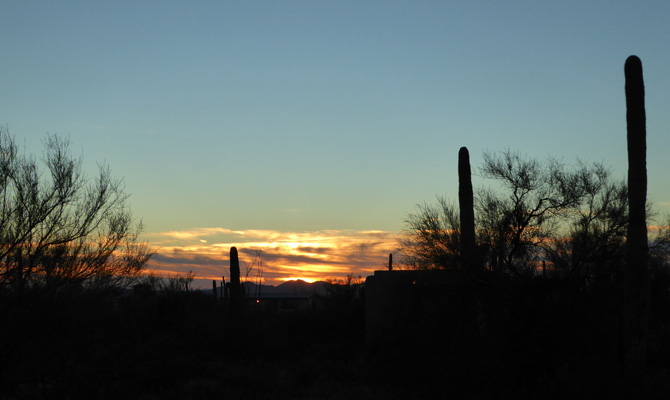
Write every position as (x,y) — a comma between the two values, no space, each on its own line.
(535,206)
(515,220)
(60,228)
(591,245)
(431,238)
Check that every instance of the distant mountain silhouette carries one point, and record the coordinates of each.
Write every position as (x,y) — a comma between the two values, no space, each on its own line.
(289,288)
(299,287)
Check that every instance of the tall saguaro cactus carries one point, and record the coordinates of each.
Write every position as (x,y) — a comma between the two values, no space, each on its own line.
(636,273)
(235,288)
(467,213)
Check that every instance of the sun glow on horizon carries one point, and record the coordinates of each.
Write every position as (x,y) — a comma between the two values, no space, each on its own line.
(308,256)
(301,278)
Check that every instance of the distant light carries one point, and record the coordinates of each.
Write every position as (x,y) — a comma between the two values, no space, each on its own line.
(258,301)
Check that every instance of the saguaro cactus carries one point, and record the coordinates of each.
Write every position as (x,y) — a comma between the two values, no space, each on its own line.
(390,261)
(467,213)
(235,289)
(636,273)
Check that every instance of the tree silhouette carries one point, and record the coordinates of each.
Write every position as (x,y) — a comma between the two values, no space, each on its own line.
(431,238)
(572,217)
(516,220)
(592,249)
(59,228)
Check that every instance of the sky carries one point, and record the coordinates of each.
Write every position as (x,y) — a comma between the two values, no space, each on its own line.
(308,130)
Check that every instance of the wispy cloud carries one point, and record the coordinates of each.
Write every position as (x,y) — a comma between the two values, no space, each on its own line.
(285,255)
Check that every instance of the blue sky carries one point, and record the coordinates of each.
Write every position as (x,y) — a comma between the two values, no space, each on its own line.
(306,116)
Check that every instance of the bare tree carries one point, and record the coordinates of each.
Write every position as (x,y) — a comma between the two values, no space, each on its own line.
(536,205)
(178,282)
(432,237)
(518,219)
(593,246)
(58,227)
(260,270)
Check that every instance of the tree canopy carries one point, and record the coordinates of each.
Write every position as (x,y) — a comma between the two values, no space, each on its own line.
(571,219)
(59,227)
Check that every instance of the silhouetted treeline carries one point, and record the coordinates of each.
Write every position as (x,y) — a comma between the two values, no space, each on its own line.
(515,337)
(177,344)
(490,338)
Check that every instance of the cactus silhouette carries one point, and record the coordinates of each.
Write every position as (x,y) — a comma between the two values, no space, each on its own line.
(636,274)
(467,213)
(390,261)
(235,289)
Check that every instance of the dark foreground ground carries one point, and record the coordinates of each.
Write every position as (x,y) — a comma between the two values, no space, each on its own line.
(184,345)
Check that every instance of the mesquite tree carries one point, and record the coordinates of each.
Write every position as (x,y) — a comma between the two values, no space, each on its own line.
(516,220)
(514,223)
(58,227)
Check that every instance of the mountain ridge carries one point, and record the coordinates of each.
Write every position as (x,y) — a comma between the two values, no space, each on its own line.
(292,287)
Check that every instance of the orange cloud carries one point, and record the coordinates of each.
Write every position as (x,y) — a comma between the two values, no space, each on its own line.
(286,255)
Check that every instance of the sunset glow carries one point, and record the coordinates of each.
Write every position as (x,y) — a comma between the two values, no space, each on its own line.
(299,278)
(309,256)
